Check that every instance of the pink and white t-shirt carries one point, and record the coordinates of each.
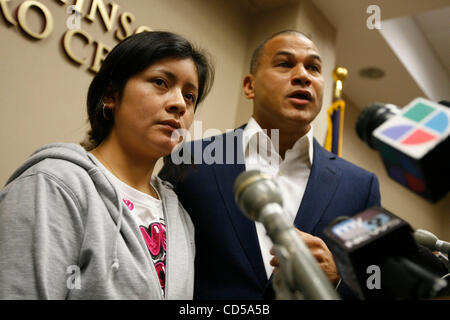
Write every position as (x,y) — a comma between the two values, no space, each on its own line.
(149,216)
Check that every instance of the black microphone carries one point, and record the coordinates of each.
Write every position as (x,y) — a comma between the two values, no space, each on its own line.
(259,198)
(445,103)
(377,257)
(413,143)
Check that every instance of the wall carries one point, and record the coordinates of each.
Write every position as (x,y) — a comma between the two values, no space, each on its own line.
(410,44)
(42,94)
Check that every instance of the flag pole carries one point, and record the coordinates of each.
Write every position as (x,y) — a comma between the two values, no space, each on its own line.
(335,114)
(339,75)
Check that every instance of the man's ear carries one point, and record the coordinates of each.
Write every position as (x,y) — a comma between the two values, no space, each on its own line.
(248,85)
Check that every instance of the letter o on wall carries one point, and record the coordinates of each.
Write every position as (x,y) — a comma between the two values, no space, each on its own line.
(22,17)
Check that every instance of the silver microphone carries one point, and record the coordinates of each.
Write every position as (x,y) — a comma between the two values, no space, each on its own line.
(429,240)
(258,197)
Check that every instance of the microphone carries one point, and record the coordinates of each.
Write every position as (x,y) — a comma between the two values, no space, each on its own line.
(445,103)
(378,258)
(413,143)
(429,240)
(258,197)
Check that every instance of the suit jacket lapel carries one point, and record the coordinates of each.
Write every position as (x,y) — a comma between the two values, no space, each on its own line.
(244,228)
(320,189)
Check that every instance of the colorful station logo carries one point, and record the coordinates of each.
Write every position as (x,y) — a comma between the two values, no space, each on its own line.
(418,128)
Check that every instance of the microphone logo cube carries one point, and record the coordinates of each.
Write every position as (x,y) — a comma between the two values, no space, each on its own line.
(420,126)
(414,147)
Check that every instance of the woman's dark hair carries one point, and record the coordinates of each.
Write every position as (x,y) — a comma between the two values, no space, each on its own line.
(130,57)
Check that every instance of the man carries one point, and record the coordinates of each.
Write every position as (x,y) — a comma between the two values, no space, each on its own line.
(233,259)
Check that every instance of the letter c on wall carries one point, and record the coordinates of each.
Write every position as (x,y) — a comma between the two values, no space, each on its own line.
(67,43)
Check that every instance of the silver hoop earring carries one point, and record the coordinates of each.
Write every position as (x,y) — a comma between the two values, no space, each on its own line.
(104,113)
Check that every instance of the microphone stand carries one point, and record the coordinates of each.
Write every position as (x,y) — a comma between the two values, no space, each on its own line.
(283,284)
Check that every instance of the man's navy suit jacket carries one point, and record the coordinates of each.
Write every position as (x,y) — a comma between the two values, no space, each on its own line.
(228,262)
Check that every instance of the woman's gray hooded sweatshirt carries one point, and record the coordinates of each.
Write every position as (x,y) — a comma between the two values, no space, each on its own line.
(66,234)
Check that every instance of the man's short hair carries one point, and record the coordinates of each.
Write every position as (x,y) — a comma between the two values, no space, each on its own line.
(256,56)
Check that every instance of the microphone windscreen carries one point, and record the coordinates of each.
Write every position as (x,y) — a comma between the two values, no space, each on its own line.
(425,238)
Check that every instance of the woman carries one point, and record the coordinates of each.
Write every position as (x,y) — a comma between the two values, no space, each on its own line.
(94,223)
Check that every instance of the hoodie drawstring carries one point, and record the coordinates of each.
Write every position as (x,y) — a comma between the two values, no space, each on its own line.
(115,261)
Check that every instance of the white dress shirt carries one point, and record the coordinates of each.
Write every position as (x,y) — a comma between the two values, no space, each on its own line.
(291,174)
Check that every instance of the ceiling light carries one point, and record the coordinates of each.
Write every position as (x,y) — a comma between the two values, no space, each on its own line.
(371,73)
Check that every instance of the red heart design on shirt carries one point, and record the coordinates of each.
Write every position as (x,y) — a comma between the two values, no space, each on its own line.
(129,204)
(155,238)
